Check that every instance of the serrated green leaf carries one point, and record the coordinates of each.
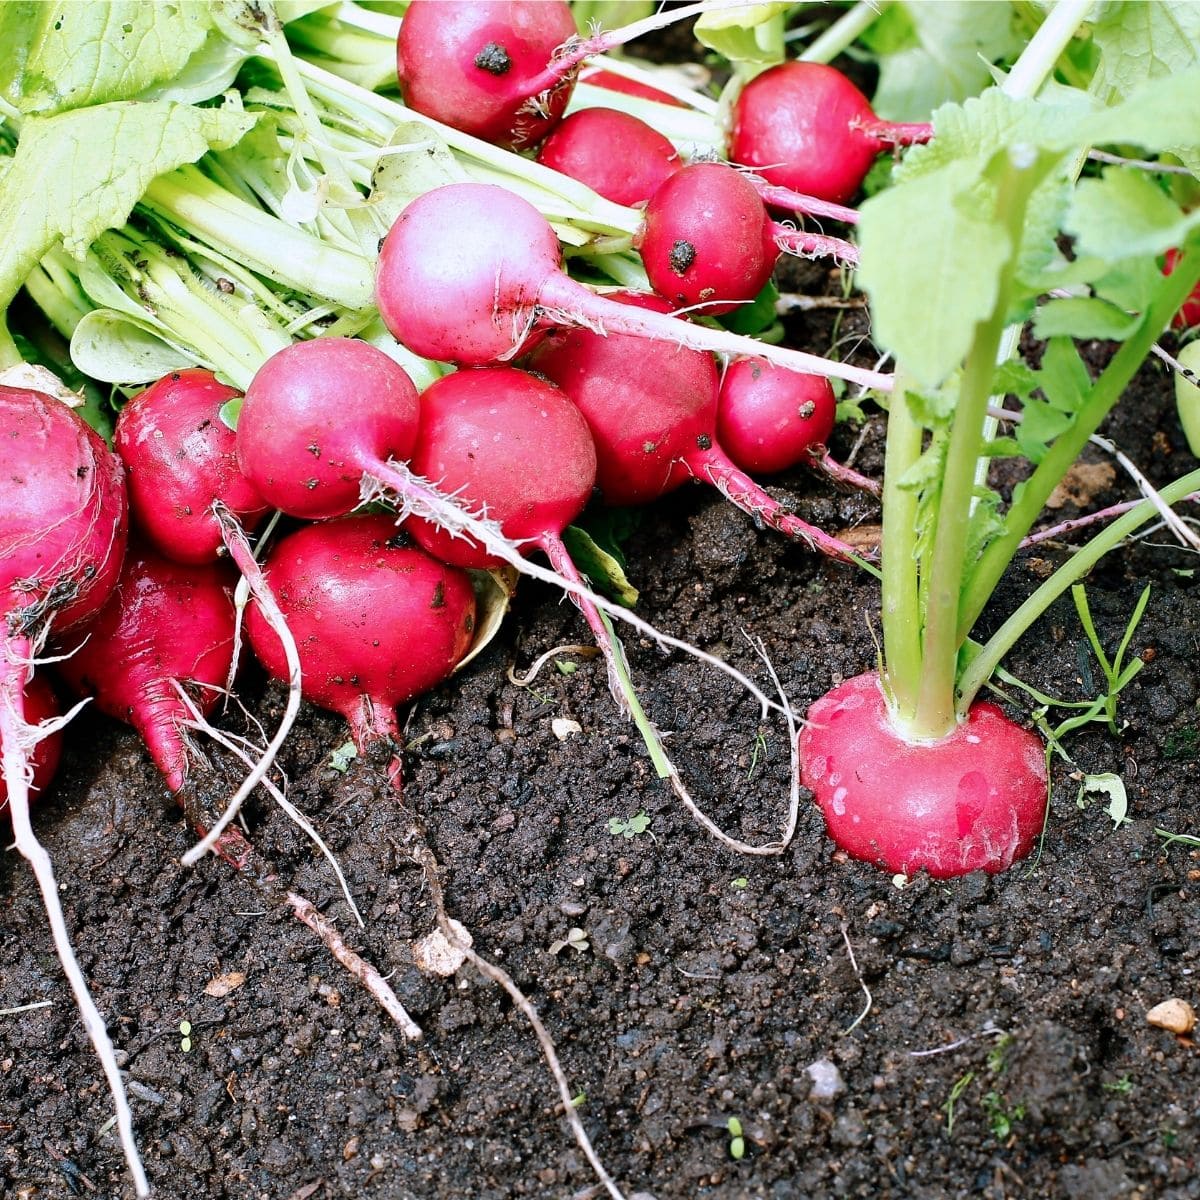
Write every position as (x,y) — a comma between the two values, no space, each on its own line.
(1042,423)
(931,254)
(1084,317)
(934,51)
(1140,41)
(65,56)
(1063,376)
(1014,378)
(101,160)
(1123,214)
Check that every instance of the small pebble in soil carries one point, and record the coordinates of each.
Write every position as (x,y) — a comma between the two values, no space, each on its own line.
(826,1080)
(1175,1015)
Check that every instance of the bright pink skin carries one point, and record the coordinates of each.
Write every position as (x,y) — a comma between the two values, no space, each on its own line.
(598,77)
(615,154)
(769,419)
(315,415)
(40,705)
(376,620)
(974,801)
(707,239)
(508,441)
(478,65)
(63,515)
(180,457)
(166,622)
(805,126)
(649,407)
(1188,314)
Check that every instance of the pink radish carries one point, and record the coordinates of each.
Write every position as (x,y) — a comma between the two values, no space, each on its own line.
(708,239)
(167,623)
(618,156)
(62,538)
(805,126)
(478,65)
(768,420)
(180,457)
(377,621)
(489,257)
(973,801)
(653,414)
(40,705)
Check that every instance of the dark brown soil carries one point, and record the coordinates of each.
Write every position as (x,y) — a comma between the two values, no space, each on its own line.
(1006,1051)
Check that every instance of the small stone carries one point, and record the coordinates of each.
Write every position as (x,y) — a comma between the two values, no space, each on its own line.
(564,728)
(826,1080)
(1176,1015)
(435,955)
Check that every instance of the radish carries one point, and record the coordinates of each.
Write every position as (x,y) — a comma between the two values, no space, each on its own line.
(309,411)
(167,623)
(805,126)
(502,70)
(709,241)
(40,705)
(585,147)
(180,456)
(972,800)
(62,538)
(487,256)
(1187,316)
(376,619)
(653,414)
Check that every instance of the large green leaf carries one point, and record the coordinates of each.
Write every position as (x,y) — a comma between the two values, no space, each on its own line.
(1140,40)
(1124,214)
(78,173)
(64,56)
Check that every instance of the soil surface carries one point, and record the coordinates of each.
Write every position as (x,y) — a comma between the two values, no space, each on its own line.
(980,1037)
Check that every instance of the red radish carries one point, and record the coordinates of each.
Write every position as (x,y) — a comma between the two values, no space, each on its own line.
(618,156)
(180,457)
(377,621)
(479,65)
(805,126)
(1188,314)
(973,801)
(509,443)
(62,537)
(653,414)
(598,77)
(166,623)
(490,258)
(40,705)
(768,419)
(708,239)
(308,413)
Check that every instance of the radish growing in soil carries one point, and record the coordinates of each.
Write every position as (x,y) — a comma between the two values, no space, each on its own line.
(377,621)
(488,256)
(805,126)
(652,411)
(62,538)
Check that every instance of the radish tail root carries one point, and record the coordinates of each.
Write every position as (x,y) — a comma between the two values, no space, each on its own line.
(820,460)
(17,737)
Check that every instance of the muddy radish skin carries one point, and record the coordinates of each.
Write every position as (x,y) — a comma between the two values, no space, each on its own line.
(180,457)
(40,705)
(376,620)
(973,801)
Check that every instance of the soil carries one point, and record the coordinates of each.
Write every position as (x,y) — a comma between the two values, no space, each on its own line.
(985,1036)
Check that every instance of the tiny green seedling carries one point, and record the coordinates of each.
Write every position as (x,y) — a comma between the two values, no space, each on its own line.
(1170,838)
(630,827)
(576,938)
(1000,1117)
(341,758)
(1116,676)
(579,1100)
(760,749)
(1122,1086)
(737,1143)
(956,1093)
(565,666)
(185,1030)
(741,883)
